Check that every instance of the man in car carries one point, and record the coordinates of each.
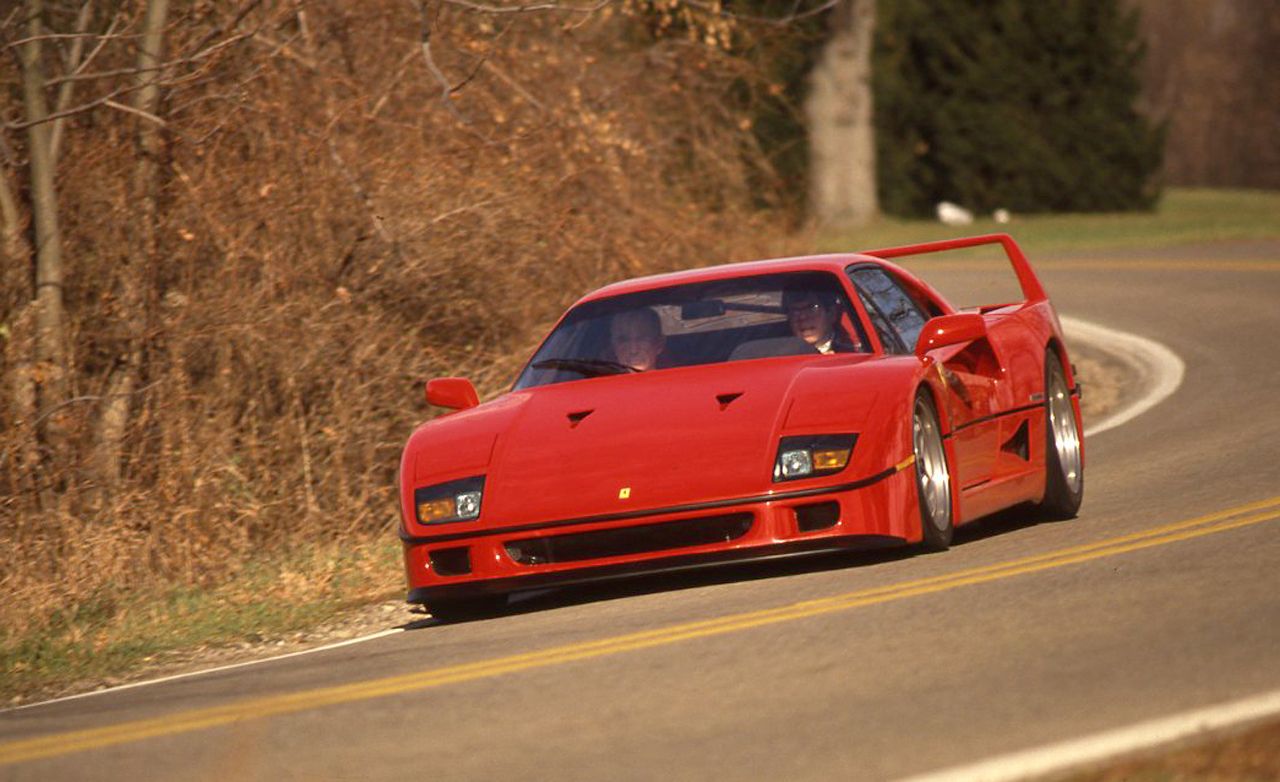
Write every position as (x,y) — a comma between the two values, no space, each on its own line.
(636,338)
(812,316)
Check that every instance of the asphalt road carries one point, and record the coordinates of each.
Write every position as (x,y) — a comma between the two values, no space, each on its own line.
(844,666)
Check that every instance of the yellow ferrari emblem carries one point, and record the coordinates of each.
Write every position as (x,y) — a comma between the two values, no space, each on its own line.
(624,493)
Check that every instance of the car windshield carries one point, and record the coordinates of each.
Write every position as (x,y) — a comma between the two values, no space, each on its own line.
(796,313)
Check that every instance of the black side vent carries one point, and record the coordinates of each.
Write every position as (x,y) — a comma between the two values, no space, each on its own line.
(451,561)
(576,418)
(1020,444)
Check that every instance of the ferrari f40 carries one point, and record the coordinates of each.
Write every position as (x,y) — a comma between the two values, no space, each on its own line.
(742,411)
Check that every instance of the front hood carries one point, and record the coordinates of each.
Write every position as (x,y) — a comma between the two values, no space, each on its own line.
(639,442)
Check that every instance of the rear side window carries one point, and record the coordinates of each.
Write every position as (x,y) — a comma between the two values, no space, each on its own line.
(895,314)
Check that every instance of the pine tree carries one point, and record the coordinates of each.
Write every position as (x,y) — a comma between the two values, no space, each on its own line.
(1021,104)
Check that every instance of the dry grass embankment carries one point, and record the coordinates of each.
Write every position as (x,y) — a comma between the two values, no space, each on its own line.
(331,234)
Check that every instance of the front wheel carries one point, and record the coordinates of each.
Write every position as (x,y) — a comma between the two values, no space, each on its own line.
(933,477)
(1063,458)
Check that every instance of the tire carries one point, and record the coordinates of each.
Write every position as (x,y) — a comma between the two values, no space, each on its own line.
(933,475)
(1063,460)
(461,609)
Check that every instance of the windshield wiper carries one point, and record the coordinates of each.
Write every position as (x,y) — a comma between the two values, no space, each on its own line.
(589,367)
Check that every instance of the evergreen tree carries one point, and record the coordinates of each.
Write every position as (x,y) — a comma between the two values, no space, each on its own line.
(1021,104)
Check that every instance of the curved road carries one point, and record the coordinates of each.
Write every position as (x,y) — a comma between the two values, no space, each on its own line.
(1163,596)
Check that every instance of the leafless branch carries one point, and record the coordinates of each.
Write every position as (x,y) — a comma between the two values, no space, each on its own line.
(198,56)
(530,8)
(401,68)
(93,104)
(98,398)
(776,21)
(446,90)
(135,111)
(77,36)
(515,86)
(75,64)
(234,23)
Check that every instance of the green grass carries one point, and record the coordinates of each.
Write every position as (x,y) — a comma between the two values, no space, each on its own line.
(1183,216)
(112,635)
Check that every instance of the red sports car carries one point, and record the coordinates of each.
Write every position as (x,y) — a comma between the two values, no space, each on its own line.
(742,411)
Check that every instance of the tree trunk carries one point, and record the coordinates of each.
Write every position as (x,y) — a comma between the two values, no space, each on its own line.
(842,163)
(50,344)
(113,420)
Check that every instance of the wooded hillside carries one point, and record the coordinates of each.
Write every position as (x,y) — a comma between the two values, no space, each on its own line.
(277,222)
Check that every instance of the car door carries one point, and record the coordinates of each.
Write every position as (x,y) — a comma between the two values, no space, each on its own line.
(898,318)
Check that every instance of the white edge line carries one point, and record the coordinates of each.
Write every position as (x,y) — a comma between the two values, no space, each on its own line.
(1160,370)
(1160,367)
(1109,744)
(203,671)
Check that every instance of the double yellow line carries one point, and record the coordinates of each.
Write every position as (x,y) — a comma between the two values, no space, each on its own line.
(257,708)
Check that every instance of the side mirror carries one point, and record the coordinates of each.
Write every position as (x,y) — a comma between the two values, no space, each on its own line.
(452,392)
(947,330)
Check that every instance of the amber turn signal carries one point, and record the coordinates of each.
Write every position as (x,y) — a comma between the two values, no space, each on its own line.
(831,460)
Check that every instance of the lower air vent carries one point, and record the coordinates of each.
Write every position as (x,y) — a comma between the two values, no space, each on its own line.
(1020,444)
(629,540)
(820,515)
(451,561)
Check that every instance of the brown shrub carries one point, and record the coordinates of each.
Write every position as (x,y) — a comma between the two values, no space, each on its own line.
(332,233)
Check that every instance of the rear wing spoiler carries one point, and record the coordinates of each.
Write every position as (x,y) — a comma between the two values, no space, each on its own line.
(1032,290)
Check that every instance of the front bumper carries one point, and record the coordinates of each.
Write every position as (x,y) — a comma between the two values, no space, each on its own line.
(875,511)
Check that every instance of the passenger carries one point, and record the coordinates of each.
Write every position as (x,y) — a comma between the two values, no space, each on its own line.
(636,337)
(812,315)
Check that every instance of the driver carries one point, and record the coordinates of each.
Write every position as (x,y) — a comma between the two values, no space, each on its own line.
(636,338)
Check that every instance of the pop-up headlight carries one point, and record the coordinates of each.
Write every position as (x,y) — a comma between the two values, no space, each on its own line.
(812,456)
(453,501)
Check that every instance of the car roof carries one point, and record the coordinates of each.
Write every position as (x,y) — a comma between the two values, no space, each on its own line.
(835,263)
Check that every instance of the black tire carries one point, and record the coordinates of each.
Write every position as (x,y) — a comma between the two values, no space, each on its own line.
(1063,462)
(461,609)
(933,475)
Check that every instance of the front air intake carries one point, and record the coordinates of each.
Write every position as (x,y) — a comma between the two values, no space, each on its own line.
(642,539)
(451,561)
(820,515)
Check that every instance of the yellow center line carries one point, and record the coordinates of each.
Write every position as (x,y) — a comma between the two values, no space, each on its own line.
(257,708)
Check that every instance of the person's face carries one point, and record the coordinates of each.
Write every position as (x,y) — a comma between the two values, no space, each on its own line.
(635,341)
(811,320)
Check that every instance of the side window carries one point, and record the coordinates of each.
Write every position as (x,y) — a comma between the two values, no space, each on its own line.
(891,308)
(888,337)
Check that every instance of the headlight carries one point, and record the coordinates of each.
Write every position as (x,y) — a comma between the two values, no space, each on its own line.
(453,501)
(811,456)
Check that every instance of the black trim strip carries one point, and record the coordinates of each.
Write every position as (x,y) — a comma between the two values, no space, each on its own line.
(695,506)
(985,419)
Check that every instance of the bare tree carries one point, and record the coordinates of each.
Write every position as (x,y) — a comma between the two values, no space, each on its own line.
(109,430)
(39,365)
(49,370)
(842,166)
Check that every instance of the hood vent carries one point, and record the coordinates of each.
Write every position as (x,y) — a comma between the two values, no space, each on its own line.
(727,399)
(576,418)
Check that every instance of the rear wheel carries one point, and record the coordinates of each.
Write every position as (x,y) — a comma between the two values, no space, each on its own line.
(1063,462)
(933,476)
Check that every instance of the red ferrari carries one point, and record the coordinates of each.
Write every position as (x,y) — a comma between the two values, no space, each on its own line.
(742,411)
